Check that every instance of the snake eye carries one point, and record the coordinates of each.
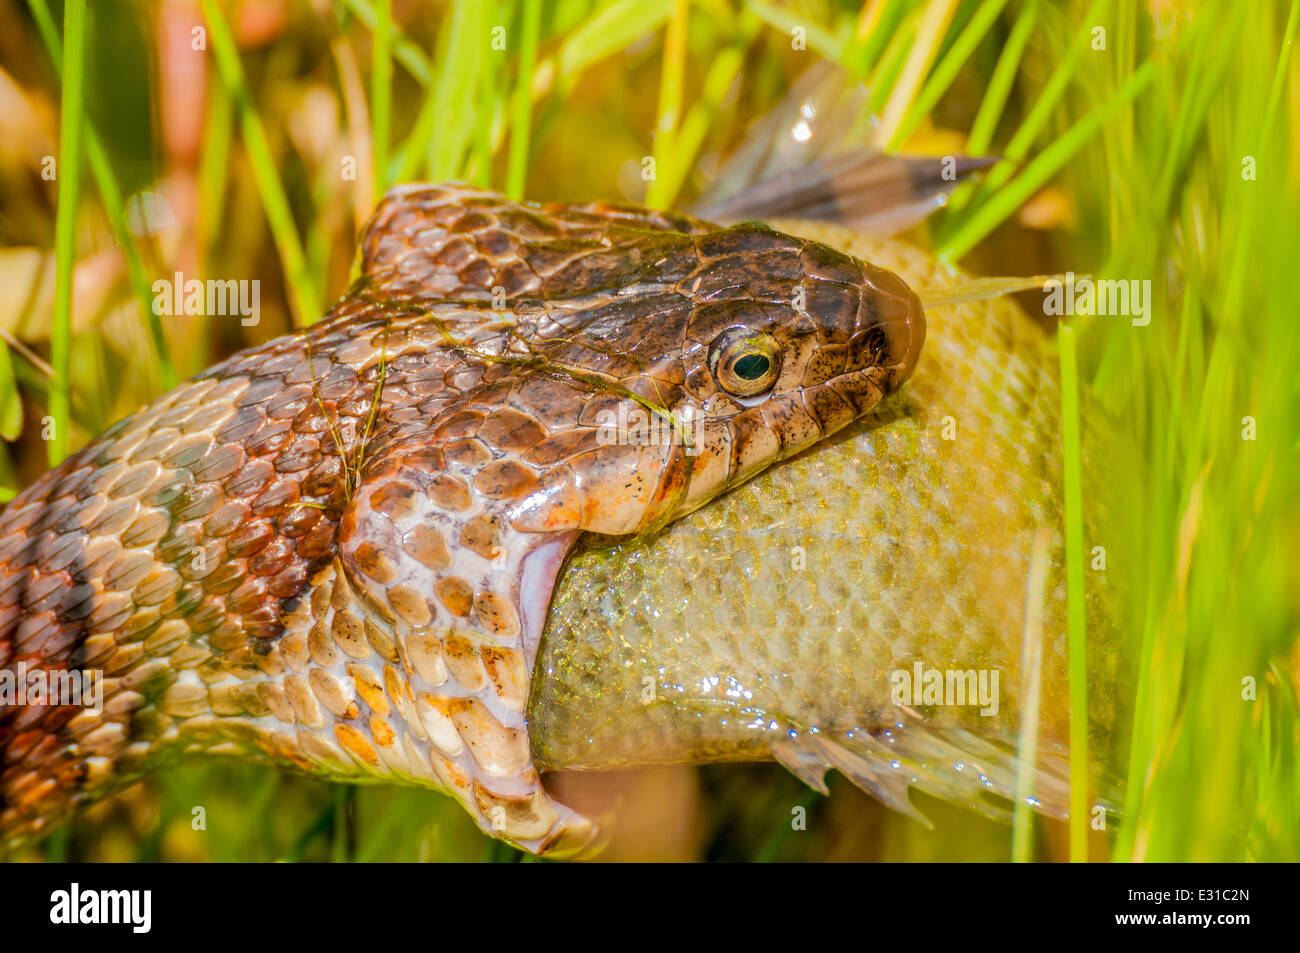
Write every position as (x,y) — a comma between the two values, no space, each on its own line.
(745,362)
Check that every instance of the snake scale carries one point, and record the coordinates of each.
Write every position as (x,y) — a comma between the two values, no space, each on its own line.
(335,551)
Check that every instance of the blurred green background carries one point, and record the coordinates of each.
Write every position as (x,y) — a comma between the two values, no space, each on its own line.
(1159,139)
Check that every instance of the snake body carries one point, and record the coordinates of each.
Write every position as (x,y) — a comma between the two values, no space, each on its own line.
(335,551)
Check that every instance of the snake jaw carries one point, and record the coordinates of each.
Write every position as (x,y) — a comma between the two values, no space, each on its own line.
(540,568)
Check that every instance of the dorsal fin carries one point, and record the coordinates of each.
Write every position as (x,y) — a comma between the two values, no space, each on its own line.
(814,157)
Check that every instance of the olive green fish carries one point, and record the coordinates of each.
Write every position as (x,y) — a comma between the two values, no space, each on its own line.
(802,616)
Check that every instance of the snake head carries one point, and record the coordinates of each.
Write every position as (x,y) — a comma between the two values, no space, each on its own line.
(788,341)
(751,343)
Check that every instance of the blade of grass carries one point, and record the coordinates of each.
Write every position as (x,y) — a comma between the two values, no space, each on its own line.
(876,27)
(885,77)
(213,170)
(604,33)
(932,27)
(465,61)
(1234,292)
(821,41)
(1045,107)
(521,103)
(1077,646)
(489,105)
(450,101)
(344,798)
(1045,165)
(71,108)
(110,195)
(302,289)
(993,103)
(608,30)
(672,77)
(1031,668)
(1202,84)
(690,136)
(358,124)
(11,402)
(783,829)
(381,93)
(946,71)
(405,51)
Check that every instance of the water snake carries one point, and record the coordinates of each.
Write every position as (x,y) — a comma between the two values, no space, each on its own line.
(335,551)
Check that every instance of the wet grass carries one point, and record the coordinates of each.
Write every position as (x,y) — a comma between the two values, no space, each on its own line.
(1161,154)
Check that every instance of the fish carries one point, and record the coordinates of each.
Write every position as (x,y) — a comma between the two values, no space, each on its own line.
(791,619)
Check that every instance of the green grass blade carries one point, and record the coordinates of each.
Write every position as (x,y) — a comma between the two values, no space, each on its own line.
(101,170)
(946,71)
(11,402)
(302,289)
(994,102)
(605,32)
(71,111)
(890,67)
(931,27)
(820,40)
(452,95)
(1031,669)
(381,93)
(1035,175)
(1046,106)
(695,127)
(405,51)
(672,77)
(873,34)
(999,86)
(489,106)
(1077,645)
(217,132)
(1234,292)
(521,102)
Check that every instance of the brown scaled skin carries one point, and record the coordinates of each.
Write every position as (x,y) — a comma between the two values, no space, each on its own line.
(334,551)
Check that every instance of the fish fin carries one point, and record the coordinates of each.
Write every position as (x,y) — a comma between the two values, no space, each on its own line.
(953,765)
(963,291)
(870,191)
(805,763)
(812,157)
(870,772)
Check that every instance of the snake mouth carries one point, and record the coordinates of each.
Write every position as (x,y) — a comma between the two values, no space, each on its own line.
(894,335)
(914,323)
(539,571)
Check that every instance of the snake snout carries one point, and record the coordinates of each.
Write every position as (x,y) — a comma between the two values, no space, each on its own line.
(891,331)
